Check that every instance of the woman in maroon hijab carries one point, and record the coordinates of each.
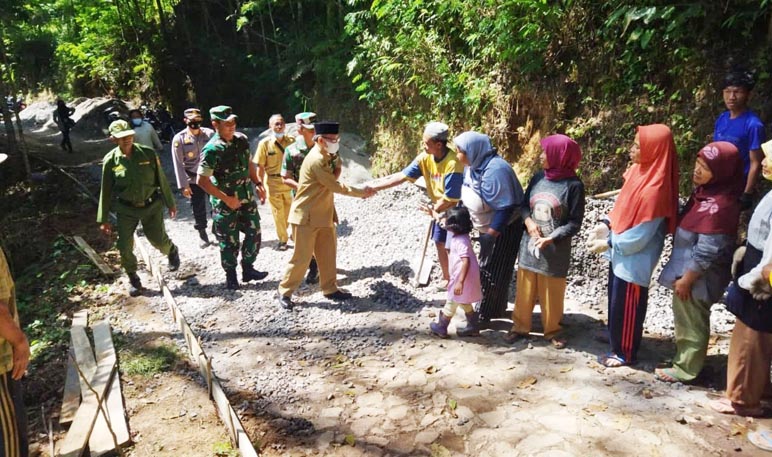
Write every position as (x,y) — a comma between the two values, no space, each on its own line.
(553,212)
(699,267)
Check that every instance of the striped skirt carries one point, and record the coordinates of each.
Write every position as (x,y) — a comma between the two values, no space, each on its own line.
(13,419)
(496,271)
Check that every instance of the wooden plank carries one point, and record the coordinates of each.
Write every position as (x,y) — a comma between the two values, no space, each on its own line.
(84,356)
(95,258)
(422,268)
(610,193)
(101,441)
(77,437)
(71,395)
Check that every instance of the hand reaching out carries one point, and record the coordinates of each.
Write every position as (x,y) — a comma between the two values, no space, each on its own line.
(369,191)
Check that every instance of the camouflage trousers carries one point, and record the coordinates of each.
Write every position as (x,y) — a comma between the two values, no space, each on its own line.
(226,225)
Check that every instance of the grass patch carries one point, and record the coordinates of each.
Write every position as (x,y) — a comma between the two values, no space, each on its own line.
(224,449)
(148,361)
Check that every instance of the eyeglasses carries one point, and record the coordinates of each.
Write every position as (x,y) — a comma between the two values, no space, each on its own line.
(331,140)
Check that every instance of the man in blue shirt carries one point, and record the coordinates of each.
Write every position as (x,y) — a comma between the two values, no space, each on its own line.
(742,127)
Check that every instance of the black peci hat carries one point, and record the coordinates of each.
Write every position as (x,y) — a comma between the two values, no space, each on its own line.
(326,127)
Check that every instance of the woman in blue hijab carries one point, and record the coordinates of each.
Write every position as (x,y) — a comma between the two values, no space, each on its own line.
(493,196)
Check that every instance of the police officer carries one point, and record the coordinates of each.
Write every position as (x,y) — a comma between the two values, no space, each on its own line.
(269,155)
(312,215)
(186,155)
(135,187)
(225,173)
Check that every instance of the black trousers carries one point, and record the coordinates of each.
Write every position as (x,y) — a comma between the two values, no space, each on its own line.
(198,205)
(496,271)
(66,139)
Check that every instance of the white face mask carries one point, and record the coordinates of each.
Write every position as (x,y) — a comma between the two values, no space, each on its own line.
(332,148)
(766,171)
(278,134)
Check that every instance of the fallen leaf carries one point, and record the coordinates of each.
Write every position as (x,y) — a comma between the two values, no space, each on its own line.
(465,386)
(738,429)
(350,440)
(452,404)
(439,450)
(593,408)
(430,369)
(351,393)
(566,369)
(529,381)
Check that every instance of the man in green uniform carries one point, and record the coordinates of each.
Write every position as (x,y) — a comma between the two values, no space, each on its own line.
(14,357)
(133,175)
(225,173)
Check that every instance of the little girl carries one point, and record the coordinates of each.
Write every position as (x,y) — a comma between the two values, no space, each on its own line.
(464,285)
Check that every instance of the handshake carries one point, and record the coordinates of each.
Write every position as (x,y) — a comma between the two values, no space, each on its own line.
(369,191)
(597,242)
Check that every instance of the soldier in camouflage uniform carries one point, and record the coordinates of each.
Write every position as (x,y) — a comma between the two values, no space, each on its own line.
(225,173)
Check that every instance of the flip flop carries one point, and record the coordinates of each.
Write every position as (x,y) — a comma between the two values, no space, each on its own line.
(724,406)
(558,343)
(611,360)
(761,439)
(666,375)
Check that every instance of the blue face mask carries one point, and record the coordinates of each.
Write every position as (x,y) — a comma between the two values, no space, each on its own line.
(278,134)
(136,122)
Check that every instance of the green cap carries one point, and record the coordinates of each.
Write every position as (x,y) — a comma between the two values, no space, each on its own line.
(222,113)
(306,120)
(120,129)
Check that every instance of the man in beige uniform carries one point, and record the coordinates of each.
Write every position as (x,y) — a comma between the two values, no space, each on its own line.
(269,158)
(311,216)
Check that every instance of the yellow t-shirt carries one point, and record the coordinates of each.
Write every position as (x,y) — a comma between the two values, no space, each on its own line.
(8,295)
(443,179)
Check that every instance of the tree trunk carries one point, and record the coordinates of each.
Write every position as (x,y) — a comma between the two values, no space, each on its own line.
(275,38)
(13,146)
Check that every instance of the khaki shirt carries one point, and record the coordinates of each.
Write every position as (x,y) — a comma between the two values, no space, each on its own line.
(313,204)
(269,155)
(7,295)
(134,180)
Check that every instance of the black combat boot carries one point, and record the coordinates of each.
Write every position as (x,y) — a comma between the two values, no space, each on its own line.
(231,282)
(204,238)
(248,273)
(174,259)
(135,285)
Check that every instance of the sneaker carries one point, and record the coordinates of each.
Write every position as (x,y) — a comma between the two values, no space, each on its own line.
(282,247)
(338,295)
